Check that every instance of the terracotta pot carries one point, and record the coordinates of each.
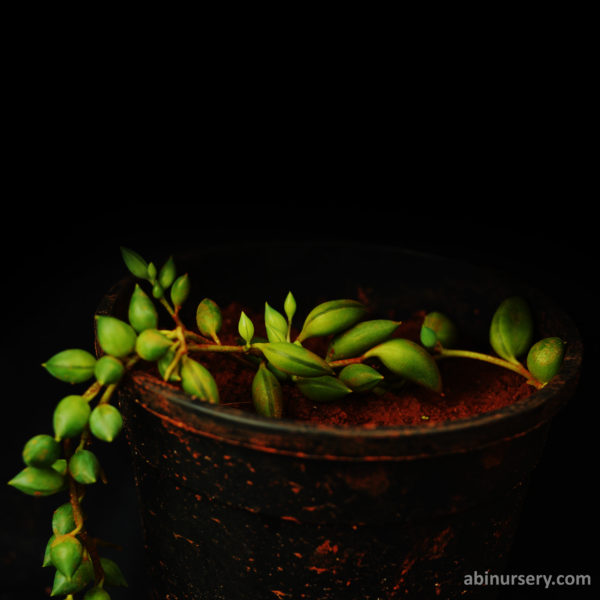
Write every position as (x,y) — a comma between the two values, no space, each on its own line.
(236,507)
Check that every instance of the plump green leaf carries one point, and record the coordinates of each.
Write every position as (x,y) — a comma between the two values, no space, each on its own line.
(197,381)
(180,290)
(444,329)
(63,520)
(47,562)
(109,369)
(276,324)
(106,422)
(96,593)
(360,378)
(325,388)
(294,359)
(84,467)
(82,577)
(70,416)
(72,366)
(428,337)
(409,360)
(329,318)
(511,330)
(289,306)
(165,361)
(545,358)
(360,338)
(36,481)
(112,572)
(41,451)
(246,328)
(167,273)
(142,312)
(115,336)
(135,263)
(209,319)
(66,554)
(267,395)
(151,344)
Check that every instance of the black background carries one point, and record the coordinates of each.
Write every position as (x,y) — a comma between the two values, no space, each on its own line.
(60,260)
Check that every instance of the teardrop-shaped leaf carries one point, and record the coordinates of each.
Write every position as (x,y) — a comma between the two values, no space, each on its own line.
(329,318)
(109,369)
(72,366)
(180,290)
(445,330)
(165,361)
(112,572)
(197,381)
(545,358)
(289,306)
(276,324)
(209,319)
(70,416)
(106,422)
(82,577)
(511,330)
(41,451)
(360,338)
(135,263)
(246,328)
(151,344)
(115,336)
(96,593)
(36,481)
(47,562)
(409,360)
(294,359)
(428,337)
(267,395)
(63,520)
(142,313)
(84,467)
(325,388)
(167,273)
(360,378)
(66,554)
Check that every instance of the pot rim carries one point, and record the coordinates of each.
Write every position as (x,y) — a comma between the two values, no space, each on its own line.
(515,419)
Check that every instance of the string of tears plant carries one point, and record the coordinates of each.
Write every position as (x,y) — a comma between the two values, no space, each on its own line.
(363,355)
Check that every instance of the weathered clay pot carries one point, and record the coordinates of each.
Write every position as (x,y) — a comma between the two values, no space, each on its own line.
(239,507)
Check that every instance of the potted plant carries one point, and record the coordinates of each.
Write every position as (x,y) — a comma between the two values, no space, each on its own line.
(264,503)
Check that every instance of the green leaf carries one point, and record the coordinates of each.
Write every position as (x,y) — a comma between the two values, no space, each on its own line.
(164,363)
(209,319)
(142,313)
(180,290)
(63,520)
(106,422)
(72,366)
(47,562)
(152,272)
(36,481)
(115,337)
(444,329)
(60,466)
(70,416)
(151,344)
(276,324)
(294,359)
(428,337)
(167,273)
(246,328)
(82,577)
(360,378)
(157,290)
(197,381)
(96,593)
(325,388)
(360,338)
(289,306)
(332,317)
(267,395)
(135,263)
(108,370)
(84,467)
(112,573)
(66,554)
(41,451)
(545,358)
(409,360)
(511,330)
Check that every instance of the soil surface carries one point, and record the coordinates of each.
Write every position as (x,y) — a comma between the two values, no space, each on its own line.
(470,387)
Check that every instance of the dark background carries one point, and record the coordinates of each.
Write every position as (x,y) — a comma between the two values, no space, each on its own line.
(60,260)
